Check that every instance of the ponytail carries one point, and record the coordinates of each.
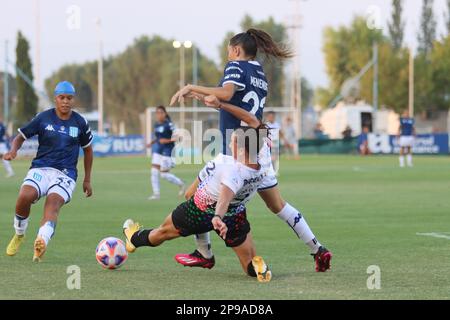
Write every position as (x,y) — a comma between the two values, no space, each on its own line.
(254,39)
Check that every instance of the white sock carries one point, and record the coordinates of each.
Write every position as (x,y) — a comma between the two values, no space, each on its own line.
(155,181)
(203,242)
(7,165)
(409,160)
(47,231)
(172,178)
(20,224)
(298,223)
(402,161)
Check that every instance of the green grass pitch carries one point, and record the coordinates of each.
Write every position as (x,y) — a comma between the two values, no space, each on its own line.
(367,211)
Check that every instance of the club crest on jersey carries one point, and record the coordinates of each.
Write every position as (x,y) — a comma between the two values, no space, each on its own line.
(73,132)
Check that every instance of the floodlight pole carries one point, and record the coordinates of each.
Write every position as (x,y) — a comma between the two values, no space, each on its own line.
(100,78)
(6,86)
(195,76)
(38,44)
(411,83)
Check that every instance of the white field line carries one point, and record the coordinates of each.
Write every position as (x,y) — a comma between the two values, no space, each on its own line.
(435,235)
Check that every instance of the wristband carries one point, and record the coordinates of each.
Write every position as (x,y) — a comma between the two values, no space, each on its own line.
(218,216)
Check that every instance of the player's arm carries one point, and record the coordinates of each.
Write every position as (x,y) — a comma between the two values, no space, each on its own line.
(192,188)
(151,143)
(88,161)
(166,140)
(29,130)
(214,102)
(225,197)
(15,146)
(224,93)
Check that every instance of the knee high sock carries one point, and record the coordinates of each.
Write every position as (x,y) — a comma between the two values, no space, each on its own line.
(298,223)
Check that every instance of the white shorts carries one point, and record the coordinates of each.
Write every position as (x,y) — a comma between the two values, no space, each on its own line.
(166,163)
(406,141)
(3,148)
(48,180)
(265,160)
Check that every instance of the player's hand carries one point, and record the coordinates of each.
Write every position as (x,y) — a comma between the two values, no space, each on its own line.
(180,95)
(212,101)
(220,226)
(87,189)
(197,96)
(11,155)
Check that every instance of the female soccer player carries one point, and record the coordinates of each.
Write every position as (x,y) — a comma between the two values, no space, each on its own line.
(216,201)
(53,172)
(162,146)
(4,149)
(406,133)
(244,84)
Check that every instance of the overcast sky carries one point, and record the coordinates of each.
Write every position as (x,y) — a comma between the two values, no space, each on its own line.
(205,22)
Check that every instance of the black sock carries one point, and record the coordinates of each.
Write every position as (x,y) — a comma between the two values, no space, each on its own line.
(250,270)
(140,238)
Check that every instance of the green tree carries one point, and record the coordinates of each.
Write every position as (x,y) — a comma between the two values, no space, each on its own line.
(396,25)
(427,30)
(26,107)
(273,69)
(81,77)
(348,49)
(440,62)
(145,74)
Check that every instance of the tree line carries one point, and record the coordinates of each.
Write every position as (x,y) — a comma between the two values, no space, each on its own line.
(348,48)
(146,73)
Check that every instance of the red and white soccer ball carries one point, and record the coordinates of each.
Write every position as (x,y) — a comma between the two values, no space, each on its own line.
(111,253)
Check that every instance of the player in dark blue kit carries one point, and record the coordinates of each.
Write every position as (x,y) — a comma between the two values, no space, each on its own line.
(162,145)
(406,133)
(242,95)
(4,149)
(53,173)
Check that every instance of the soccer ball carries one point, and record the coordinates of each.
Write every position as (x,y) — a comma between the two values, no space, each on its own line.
(111,253)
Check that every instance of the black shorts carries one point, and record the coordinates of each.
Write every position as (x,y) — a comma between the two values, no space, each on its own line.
(190,220)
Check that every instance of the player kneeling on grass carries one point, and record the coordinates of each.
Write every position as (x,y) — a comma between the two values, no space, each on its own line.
(53,172)
(216,201)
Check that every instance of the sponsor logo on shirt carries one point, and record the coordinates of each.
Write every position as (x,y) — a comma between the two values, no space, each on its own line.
(49,128)
(234,68)
(234,75)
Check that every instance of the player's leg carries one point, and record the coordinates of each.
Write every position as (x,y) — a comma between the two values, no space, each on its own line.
(409,160)
(137,237)
(52,207)
(33,187)
(179,223)
(298,224)
(167,163)
(58,193)
(27,196)
(156,165)
(253,265)
(401,158)
(6,164)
